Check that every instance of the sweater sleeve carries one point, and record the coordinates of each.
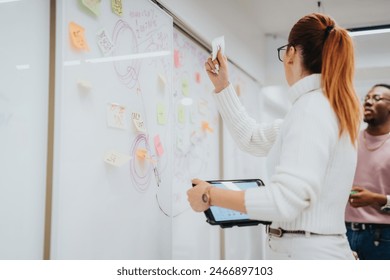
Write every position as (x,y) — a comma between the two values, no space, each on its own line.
(249,135)
(307,142)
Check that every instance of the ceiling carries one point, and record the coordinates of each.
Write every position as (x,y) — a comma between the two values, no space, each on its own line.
(276,17)
(249,20)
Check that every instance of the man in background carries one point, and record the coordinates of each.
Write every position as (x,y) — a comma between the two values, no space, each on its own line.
(368,211)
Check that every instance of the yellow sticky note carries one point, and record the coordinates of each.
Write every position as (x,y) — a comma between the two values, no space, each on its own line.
(77,37)
(161,114)
(185,87)
(181,114)
(92,5)
(116,6)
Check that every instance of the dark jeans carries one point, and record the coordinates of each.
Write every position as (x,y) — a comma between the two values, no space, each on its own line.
(370,243)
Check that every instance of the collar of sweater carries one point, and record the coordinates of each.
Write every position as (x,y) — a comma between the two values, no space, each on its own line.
(304,85)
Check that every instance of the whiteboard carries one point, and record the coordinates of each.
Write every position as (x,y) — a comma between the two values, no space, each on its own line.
(113,153)
(24,71)
(244,242)
(196,151)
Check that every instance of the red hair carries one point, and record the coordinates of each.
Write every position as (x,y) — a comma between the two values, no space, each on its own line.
(328,49)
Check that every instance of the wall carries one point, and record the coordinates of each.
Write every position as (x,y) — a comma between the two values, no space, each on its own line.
(24,56)
(244,43)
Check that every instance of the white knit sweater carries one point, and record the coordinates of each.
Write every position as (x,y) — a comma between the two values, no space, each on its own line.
(311,168)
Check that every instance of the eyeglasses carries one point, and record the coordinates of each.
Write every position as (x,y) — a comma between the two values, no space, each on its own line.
(375,98)
(282,48)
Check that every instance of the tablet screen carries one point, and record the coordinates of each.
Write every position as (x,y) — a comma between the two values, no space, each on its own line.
(222,214)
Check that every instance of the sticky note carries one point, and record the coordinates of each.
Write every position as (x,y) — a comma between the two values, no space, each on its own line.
(77,37)
(162,79)
(116,116)
(197,77)
(158,146)
(161,114)
(238,89)
(115,158)
(138,122)
(104,42)
(92,5)
(206,127)
(176,58)
(181,114)
(116,6)
(185,87)
(203,106)
(142,153)
(84,84)
(218,44)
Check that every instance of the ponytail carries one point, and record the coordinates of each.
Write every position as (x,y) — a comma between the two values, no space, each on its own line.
(328,49)
(337,70)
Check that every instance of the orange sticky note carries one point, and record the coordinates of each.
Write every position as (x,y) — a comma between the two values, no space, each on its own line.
(77,37)
(206,127)
(142,153)
(158,145)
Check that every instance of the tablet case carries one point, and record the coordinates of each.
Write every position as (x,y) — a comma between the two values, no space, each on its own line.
(231,223)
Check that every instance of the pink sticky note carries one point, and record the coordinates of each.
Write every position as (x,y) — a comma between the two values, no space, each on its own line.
(158,145)
(176,58)
(197,77)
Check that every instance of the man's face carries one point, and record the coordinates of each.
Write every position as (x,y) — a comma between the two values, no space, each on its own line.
(377,106)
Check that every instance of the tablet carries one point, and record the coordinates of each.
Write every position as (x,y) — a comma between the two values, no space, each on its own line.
(226,218)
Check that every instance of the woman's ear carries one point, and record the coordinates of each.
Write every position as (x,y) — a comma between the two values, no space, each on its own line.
(290,54)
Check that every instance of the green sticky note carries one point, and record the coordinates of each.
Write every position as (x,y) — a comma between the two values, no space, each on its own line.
(185,87)
(161,114)
(92,5)
(181,114)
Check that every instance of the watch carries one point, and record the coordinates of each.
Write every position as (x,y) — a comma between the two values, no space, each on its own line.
(386,207)
(206,196)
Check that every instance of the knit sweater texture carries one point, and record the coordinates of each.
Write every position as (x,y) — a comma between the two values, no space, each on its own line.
(310,167)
